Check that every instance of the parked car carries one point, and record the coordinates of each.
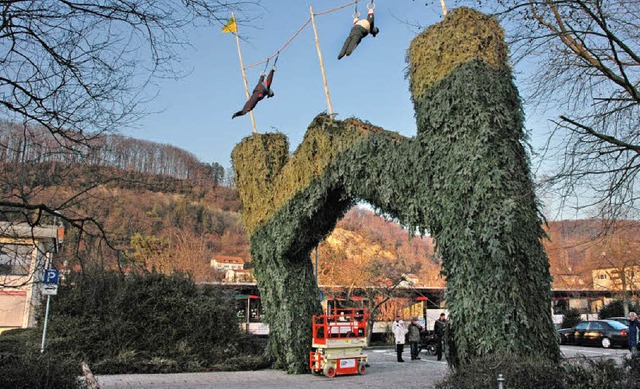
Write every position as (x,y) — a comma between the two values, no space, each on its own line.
(605,333)
(622,320)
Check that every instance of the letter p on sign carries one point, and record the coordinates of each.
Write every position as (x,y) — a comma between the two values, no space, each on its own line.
(51,277)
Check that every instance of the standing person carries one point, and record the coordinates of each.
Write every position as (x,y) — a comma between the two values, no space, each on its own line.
(414,338)
(399,332)
(439,328)
(633,333)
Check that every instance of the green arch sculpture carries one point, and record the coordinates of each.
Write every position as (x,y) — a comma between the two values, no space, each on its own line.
(464,178)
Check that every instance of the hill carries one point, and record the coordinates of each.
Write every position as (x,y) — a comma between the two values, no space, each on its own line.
(170,224)
(365,249)
(577,247)
(159,207)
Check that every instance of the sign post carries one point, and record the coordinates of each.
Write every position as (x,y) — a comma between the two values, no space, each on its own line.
(50,288)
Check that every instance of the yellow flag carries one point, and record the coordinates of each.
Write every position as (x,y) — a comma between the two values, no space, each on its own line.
(230,26)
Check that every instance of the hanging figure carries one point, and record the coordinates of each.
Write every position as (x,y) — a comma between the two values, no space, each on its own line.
(259,92)
(359,30)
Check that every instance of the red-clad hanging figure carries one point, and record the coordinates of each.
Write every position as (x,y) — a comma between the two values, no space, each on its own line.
(259,92)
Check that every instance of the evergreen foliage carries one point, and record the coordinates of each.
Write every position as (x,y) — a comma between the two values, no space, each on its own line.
(464,178)
(482,210)
(464,35)
(148,323)
(30,369)
(526,372)
(269,177)
(616,309)
(571,318)
(120,324)
(283,231)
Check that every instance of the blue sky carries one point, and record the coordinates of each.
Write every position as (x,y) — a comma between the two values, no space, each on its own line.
(370,84)
(194,112)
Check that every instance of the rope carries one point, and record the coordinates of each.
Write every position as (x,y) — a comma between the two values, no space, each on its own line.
(283,46)
(300,30)
(335,9)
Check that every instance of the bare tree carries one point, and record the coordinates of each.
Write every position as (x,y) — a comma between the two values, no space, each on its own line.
(82,65)
(583,58)
(386,279)
(616,256)
(586,73)
(71,72)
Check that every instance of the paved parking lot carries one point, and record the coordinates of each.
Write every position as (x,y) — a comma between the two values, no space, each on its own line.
(384,372)
(594,352)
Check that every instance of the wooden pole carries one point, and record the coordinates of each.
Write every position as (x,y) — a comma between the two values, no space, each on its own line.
(244,76)
(444,8)
(324,76)
(91,380)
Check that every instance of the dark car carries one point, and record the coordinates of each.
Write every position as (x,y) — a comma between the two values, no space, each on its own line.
(605,333)
(622,320)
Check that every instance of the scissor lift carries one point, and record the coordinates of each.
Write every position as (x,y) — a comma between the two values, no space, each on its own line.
(338,340)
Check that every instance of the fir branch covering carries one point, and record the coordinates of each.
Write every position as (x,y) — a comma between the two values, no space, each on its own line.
(464,35)
(289,205)
(464,178)
(269,179)
(482,211)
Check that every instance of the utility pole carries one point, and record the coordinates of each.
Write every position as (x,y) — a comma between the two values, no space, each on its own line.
(244,75)
(324,76)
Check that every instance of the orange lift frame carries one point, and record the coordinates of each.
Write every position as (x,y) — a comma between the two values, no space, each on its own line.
(338,341)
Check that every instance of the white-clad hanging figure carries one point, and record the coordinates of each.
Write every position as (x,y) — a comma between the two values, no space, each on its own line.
(360,29)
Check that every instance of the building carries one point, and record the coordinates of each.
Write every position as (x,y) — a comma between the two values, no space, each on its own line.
(570,281)
(611,278)
(224,263)
(409,281)
(24,255)
(241,275)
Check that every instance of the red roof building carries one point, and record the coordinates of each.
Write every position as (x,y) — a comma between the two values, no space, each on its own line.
(223,262)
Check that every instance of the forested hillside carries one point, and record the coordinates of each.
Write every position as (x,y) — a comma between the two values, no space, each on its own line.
(125,202)
(35,145)
(363,242)
(183,227)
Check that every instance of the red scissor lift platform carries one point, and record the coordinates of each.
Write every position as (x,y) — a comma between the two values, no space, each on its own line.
(338,340)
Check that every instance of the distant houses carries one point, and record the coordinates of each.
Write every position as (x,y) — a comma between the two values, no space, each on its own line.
(410,280)
(611,278)
(223,262)
(245,276)
(24,255)
(233,268)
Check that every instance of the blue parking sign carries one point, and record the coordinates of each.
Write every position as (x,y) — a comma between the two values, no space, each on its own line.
(51,277)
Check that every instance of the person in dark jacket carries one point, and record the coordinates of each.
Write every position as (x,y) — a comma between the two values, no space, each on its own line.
(439,328)
(414,338)
(259,92)
(633,333)
(360,29)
